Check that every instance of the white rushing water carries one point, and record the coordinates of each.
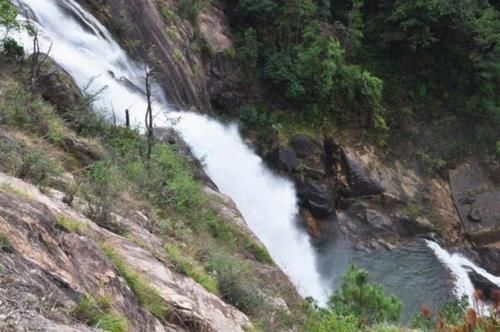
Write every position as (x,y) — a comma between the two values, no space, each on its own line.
(459,267)
(268,202)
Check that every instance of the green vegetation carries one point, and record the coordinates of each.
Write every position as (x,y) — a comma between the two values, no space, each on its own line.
(190,267)
(8,14)
(367,302)
(147,296)
(5,243)
(190,10)
(236,284)
(16,191)
(430,69)
(99,314)
(356,306)
(100,188)
(70,225)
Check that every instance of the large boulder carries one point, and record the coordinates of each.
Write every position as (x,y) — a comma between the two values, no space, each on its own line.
(410,226)
(283,159)
(476,200)
(317,198)
(304,146)
(58,87)
(360,181)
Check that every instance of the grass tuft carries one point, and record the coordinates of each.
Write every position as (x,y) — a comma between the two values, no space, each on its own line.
(98,314)
(5,244)
(70,225)
(146,295)
(190,267)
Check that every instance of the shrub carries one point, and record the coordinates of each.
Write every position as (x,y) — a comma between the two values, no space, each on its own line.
(11,48)
(8,14)
(327,320)
(168,181)
(367,302)
(187,265)
(189,10)
(147,296)
(5,243)
(100,188)
(98,314)
(236,284)
(168,16)
(36,168)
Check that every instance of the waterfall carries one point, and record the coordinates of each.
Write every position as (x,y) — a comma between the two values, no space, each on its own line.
(459,267)
(84,47)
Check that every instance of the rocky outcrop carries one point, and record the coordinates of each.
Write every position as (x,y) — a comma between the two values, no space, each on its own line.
(360,182)
(177,46)
(317,198)
(58,87)
(477,202)
(378,204)
(45,270)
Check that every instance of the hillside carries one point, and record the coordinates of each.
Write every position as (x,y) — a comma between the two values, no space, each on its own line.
(197,165)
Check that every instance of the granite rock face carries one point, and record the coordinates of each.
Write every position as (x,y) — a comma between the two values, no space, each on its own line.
(477,202)
(45,270)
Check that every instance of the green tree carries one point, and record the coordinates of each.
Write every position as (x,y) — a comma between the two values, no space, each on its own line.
(8,15)
(368,302)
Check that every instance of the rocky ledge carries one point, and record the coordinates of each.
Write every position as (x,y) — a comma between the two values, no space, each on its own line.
(45,270)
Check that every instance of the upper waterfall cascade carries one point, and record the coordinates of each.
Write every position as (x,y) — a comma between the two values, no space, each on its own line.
(88,51)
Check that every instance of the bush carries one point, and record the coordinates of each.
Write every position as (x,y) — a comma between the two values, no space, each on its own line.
(189,10)
(236,285)
(11,48)
(36,168)
(98,314)
(367,302)
(187,265)
(327,320)
(24,110)
(100,188)
(5,243)
(168,181)
(8,14)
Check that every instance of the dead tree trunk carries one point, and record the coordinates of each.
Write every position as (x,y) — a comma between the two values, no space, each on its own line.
(149,114)
(37,57)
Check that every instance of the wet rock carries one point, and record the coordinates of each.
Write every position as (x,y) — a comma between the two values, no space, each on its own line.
(85,151)
(489,258)
(58,87)
(408,226)
(304,146)
(475,214)
(377,220)
(360,182)
(489,290)
(318,198)
(284,159)
(476,200)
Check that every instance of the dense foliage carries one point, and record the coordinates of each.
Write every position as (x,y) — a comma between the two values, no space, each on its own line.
(380,64)
(301,58)
(355,306)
